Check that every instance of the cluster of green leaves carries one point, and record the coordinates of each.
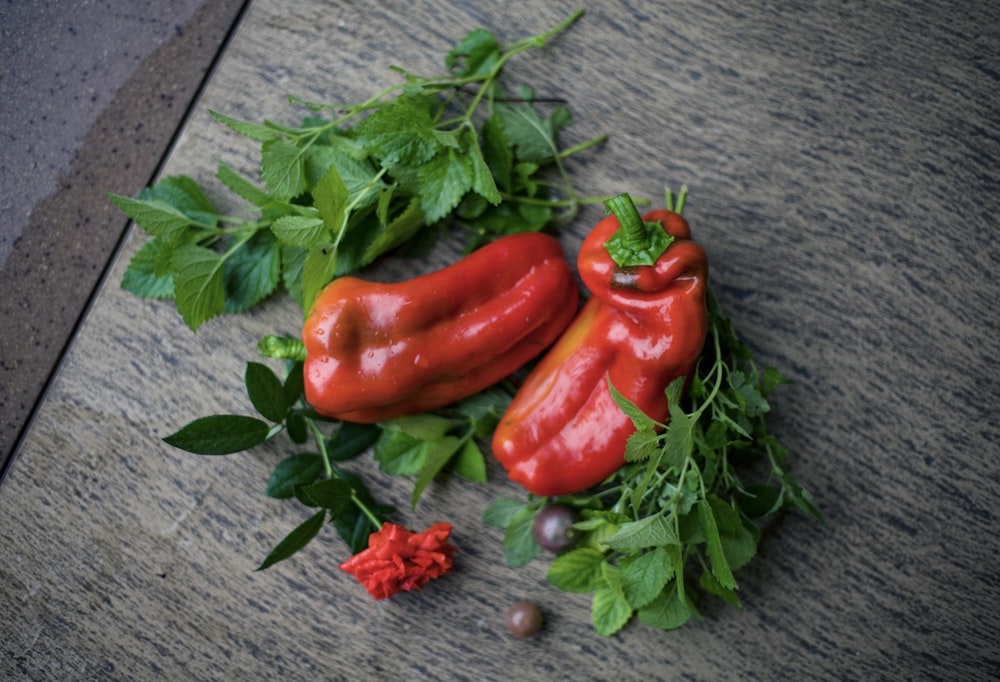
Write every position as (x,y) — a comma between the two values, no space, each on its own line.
(424,446)
(680,517)
(333,194)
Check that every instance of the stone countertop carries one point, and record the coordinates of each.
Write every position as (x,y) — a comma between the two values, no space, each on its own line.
(843,163)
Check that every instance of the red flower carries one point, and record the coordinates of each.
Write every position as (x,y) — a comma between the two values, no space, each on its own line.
(398,560)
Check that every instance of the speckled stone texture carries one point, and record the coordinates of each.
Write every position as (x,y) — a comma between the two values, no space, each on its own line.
(91,97)
(842,160)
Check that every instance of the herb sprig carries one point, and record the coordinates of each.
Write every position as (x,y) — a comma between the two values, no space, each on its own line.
(687,509)
(334,194)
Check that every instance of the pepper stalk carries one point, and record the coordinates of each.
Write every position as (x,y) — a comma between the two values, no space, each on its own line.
(637,242)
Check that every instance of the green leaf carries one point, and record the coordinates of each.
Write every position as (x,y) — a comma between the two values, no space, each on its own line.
(221,434)
(398,453)
(318,270)
(351,440)
(155,216)
(444,180)
(294,386)
(666,612)
(720,565)
(482,177)
(283,169)
(477,54)
(353,526)
(739,540)
(358,175)
(609,610)
(709,583)
(641,445)
(578,570)
(252,130)
(303,231)
(470,463)
(291,472)
(400,133)
(532,137)
(678,443)
(501,511)
(403,227)
(644,576)
(519,544)
(240,185)
(650,531)
(141,278)
(497,153)
(424,426)
(296,540)
(438,454)
(330,198)
(266,391)
(754,404)
(251,273)
(198,284)
(639,418)
(293,261)
(331,493)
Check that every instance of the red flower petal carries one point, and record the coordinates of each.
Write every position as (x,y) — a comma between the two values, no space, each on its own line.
(398,560)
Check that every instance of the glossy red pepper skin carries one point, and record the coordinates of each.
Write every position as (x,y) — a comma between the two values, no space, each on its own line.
(642,328)
(376,351)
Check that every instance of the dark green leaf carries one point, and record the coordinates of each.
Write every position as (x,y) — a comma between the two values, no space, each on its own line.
(293,471)
(497,153)
(266,391)
(221,434)
(650,531)
(252,272)
(501,511)
(298,429)
(350,440)
(296,540)
(331,493)
(294,386)
(318,269)
(444,181)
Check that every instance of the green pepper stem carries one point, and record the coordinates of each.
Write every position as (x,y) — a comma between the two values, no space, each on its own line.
(633,234)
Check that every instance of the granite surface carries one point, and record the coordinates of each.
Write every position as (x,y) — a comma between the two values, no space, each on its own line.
(91,98)
(843,161)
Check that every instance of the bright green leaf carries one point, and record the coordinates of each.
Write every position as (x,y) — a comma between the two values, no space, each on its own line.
(644,576)
(198,284)
(141,278)
(578,570)
(283,169)
(609,610)
(302,231)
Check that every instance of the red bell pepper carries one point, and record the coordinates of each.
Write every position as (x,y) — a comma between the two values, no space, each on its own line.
(376,351)
(643,327)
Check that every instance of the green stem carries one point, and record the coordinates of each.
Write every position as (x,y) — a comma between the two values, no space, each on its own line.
(330,473)
(632,231)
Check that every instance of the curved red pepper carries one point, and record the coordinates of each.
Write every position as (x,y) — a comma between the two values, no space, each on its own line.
(643,327)
(376,351)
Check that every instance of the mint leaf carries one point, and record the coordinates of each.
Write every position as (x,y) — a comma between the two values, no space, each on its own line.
(240,185)
(252,130)
(141,278)
(482,177)
(403,227)
(666,612)
(221,434)
(198,284)
(437,454)
(302,231)
(476,55)
(497,153)
(291,472)
(399,453)
(532,137)
(643,576)
(444,181)
(400,133)
(318,269)
(519,544)
(155,216)
(720,565)
(649,531)
(296,540)
(283,169)
(251,272)
(578,570)
(330,198)
(609,611)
